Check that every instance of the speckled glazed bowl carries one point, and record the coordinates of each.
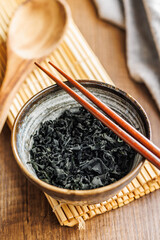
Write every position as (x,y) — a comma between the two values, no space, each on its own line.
(49,104)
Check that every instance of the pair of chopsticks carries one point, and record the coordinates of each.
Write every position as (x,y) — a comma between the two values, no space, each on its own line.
(128,133)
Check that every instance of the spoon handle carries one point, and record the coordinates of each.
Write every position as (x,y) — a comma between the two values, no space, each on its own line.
(11,83)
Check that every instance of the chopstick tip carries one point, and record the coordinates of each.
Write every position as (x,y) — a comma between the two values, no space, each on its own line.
(36,64)
(51,64)
(58,69)
(39,66)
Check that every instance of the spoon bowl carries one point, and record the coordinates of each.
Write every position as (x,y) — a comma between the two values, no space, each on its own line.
(43,25)
(36,29)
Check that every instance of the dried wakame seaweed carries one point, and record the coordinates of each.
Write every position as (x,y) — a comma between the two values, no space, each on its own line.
(76,151)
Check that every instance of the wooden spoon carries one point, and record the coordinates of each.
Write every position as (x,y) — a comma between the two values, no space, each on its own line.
(35,30)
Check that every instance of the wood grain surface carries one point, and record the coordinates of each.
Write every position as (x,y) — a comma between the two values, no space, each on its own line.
(24,211)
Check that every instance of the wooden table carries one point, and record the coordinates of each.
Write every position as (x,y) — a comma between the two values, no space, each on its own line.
(24,210)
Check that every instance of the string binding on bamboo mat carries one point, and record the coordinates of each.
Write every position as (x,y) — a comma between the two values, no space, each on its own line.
(76,58)
(81,222)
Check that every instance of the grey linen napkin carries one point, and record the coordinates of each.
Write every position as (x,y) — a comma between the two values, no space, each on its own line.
(141,19)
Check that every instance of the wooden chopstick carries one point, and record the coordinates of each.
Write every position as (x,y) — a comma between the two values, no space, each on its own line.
(148,154)
(129,128)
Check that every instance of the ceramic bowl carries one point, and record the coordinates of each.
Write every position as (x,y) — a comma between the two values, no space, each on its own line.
(48,105)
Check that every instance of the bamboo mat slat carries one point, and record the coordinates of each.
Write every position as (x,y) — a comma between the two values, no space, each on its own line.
(77,59)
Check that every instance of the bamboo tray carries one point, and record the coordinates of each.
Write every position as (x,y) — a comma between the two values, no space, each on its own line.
(76,58)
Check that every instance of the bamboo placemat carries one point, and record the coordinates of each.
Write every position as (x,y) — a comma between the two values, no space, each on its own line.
(76,58)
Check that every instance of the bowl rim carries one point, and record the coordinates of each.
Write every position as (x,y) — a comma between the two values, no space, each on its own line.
(52,188)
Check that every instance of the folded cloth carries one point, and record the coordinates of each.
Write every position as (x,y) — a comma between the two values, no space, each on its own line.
(141,19)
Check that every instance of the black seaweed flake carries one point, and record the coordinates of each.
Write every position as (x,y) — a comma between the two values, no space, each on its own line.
(76,151)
